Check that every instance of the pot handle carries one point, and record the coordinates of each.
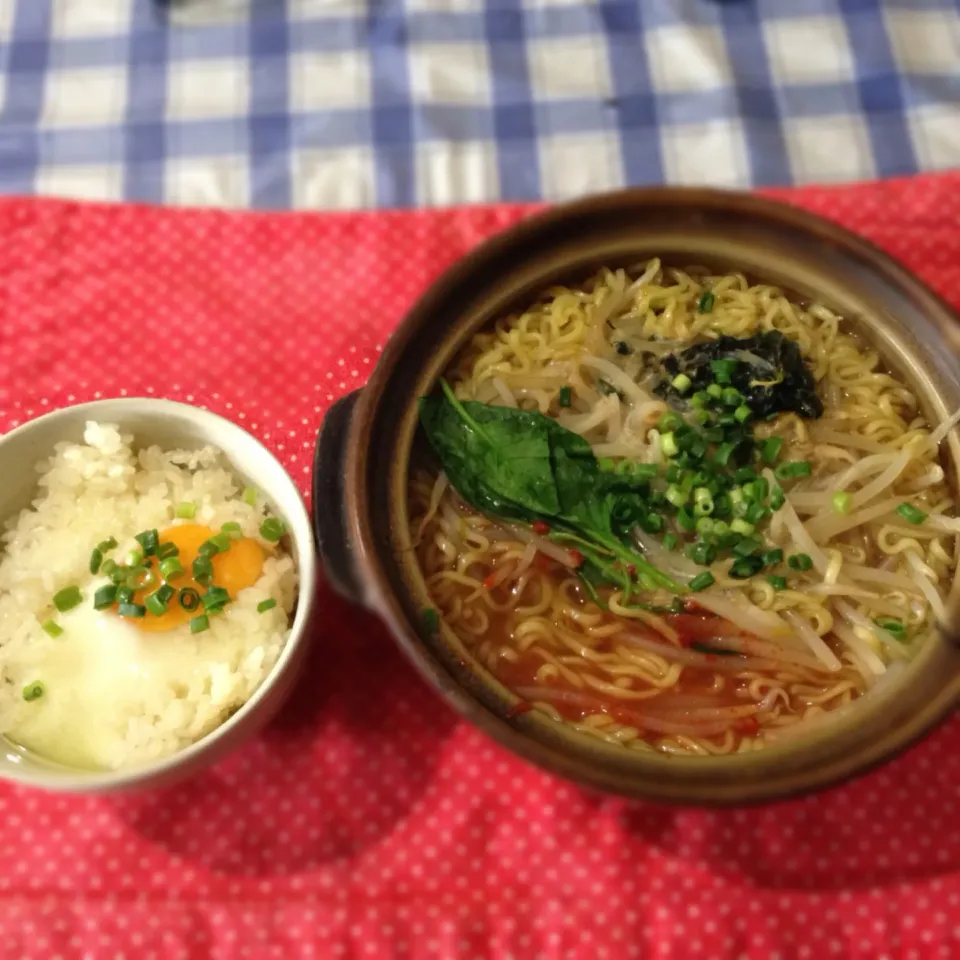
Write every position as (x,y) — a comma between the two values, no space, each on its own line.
(329,517)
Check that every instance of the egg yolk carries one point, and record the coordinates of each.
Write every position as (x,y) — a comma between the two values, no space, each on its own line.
(234,570)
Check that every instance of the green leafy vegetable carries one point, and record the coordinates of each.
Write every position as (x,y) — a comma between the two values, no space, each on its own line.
(767,370)
(522,465)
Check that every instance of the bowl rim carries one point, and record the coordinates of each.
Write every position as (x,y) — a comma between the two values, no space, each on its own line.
(67,780)
(369,544)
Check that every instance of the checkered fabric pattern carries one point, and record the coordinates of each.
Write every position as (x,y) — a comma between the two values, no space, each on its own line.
(384,103)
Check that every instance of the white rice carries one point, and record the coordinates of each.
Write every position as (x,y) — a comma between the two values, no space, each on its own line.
(159,692)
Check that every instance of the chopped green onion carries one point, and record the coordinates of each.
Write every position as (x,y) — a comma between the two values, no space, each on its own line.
(104,546)
(723,369)
(155,603)
(209,548)
(841,502)
(746,546)
(67,598)
(565,396)
(685,520)
(124,595)
(777,498)
(778,583)
(167,550)
(223,541)
(770,557)
(676,496)
(715,391)
(700,399)
(702,553)
(250,496)
(200,624)
(669,421)
(670,541)
(799,561)
(607,464)
(703,502)
(745,475)
(755,513)
(33,691)
(272,529)
(108,568)
(186,510)
(719,528)
(705,526)
(793,468)
(742,413)
(134,558)
(705,303)
(723,454)
(105,597)
(651,523)
(741,526)
(149,540)
(166,593)
(668,444)
(771,449)
(233,530)
(701,581)
(203,571)
(51,628)
(96,559)
(681,383)
(732,397)
(170,568)
(188,598)
(133,610)
(911,514)
(141,578)
(264,605)
(895,628)
(215,599)
(746,567)
(645,471)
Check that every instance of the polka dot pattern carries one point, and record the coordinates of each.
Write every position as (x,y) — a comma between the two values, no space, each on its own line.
(368,821)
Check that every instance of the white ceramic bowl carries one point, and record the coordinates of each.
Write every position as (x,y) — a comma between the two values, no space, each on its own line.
(171,426)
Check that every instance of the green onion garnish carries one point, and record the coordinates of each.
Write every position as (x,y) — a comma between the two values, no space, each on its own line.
(705,303)
(51,628)
(215,599)
(200,624)
(670,541)
(209,548)
(67,598)
(681,383)
(755,513)
(186,510)
(742,413)
(264,605)
(607,464)
(272,529)
(134,558)
(170,568)
(96,559)
(565,396)
(778,583)
(741,526)
(189,599)
(135,611)
(156,604)
(676,496)
(233,530)
(203,571)
(731,395)
(715,390)
(167,550)
(746,567)
(777,498)
(106,545)
(250,496)
(841,502)
(33,691)
(793,468)
(770,557)
(124,594)
(895,628)
(799,561)
(700,399)
(166,593)
(771,449)
(701,581)
(149,540)
(105,597)
(668,444)
(911,514)
(685,520)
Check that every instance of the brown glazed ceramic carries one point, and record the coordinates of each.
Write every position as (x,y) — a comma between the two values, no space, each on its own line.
(369,439)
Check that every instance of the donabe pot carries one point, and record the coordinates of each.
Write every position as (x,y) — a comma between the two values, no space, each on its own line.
(370,439)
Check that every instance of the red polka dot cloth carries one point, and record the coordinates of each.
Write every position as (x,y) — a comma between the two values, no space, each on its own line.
(368,821)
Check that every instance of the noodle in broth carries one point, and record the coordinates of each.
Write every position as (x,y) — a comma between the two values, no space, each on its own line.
(748,659)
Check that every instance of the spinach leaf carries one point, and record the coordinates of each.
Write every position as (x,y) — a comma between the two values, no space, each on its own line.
(521,465)
(769,371)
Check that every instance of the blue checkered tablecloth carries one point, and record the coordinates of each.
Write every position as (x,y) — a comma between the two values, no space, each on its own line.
(348,104)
